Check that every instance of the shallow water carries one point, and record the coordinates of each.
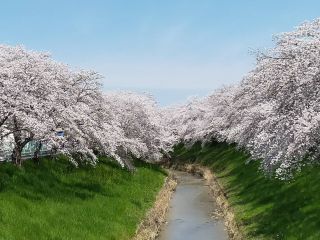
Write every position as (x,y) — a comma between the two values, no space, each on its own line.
(191,211)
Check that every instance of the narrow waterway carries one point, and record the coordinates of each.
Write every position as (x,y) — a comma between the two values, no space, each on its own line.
(191,214)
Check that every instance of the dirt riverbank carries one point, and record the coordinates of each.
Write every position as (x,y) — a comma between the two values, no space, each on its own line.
(156,216)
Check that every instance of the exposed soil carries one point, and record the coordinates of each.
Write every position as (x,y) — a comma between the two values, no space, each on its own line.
(156,217)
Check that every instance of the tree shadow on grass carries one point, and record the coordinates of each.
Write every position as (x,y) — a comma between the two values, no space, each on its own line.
(270,208)
(52,180)
(58,180)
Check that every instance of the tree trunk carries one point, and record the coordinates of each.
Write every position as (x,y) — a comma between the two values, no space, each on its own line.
(19,143)
(128,164)
(17,155)
(36,158)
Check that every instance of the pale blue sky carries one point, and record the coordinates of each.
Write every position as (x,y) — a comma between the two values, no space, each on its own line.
(170,48)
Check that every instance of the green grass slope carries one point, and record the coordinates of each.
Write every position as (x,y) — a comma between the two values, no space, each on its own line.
(266,208)
(54,200)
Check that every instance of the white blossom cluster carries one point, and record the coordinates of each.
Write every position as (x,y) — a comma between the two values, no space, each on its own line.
(39,96)
(274,113)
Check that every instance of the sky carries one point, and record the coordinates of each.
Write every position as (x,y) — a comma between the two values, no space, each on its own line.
(172,49)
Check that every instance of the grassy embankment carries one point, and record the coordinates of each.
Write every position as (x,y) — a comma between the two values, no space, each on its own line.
(265,208)
(54,200)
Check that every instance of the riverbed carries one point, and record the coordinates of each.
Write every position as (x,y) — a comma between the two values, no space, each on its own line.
(192,214)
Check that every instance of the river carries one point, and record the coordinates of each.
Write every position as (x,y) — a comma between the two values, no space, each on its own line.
(191,214)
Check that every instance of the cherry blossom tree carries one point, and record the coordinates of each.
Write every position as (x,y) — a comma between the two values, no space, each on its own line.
(286,81)
(28,83)
(144,133)
(274,112)
(39,96)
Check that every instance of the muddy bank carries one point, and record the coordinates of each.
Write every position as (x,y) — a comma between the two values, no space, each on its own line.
(219,197)
(156,216)
(191,215)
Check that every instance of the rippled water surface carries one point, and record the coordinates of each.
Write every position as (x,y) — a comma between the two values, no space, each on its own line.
(191,210)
